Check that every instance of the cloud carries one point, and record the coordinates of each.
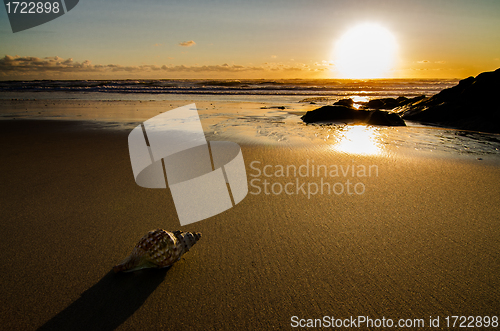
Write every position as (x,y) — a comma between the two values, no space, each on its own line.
(429,62)
(36,64)
(187,43)
(16,67)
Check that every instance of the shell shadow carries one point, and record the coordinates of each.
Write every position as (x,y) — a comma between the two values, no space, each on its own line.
(108,303)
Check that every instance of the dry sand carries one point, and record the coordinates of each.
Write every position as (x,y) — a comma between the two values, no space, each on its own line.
(422,240)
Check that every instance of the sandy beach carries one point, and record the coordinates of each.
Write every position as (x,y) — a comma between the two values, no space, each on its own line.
(421,241)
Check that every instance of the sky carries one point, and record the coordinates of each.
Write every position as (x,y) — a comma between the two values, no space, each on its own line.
(221,39)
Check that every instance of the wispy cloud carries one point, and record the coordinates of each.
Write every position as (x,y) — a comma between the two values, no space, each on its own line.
(187,43)
(16,67)
(36,64)
(429,62)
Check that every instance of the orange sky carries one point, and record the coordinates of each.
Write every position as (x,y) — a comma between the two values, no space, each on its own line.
(252,39)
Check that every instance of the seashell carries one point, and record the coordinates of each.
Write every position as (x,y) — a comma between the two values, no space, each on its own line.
(158,249)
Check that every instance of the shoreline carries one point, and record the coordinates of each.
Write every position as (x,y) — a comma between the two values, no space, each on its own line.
(257,123)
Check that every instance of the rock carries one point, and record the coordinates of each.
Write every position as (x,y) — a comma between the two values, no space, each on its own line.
(380,117)
(386,103)
(345,102)
(390,103)
(334,114)
(343,114)
(273,107)
(470,105)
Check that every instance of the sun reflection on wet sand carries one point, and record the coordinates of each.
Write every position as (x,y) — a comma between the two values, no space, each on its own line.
(359,139)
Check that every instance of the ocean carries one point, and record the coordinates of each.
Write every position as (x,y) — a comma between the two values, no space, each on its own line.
(164,89)
(278,119)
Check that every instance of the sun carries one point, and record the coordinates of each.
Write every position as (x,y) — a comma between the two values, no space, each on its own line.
(365,51)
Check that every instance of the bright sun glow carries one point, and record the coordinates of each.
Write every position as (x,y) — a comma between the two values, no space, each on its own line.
(365,51)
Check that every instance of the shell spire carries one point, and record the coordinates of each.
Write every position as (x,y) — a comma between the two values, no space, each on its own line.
(158,249)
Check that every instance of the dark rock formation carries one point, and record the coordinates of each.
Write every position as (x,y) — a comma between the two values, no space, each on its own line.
(390,103)
(345,102)
(334,114)
(380,117)
(343,114)
(471,105)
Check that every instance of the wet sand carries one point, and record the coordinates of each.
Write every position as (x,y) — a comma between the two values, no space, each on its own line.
(422,240)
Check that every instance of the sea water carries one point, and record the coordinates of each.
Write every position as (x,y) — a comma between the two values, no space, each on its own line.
(280,122)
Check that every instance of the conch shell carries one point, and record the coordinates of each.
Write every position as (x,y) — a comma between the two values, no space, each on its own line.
(158,249)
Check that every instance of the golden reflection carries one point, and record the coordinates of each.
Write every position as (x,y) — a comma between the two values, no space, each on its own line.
(359,139)
(357,99)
